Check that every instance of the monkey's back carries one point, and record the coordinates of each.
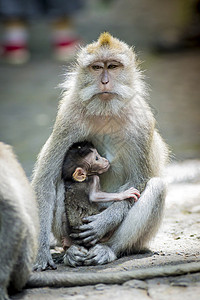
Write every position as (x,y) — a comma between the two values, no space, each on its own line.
(77,205)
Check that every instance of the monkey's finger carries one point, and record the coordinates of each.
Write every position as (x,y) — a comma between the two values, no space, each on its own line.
(79,254)
(137,194)
(92,243)
(89,219)
(135,198)
(80,235)
(89,240)
(134,191)
(79,242)
(45,266)
(37,268)
(93,259)
(74,235)
(89,262)
(74,258)
(51,265)
(74,262)
(83,227)
(90,256)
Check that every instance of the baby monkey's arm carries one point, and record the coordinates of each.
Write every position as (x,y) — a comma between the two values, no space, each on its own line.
(96,195)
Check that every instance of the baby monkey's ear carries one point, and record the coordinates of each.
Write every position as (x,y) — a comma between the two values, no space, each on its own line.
(79,175)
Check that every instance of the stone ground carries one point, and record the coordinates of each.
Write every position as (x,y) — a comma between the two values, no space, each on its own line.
(28,104)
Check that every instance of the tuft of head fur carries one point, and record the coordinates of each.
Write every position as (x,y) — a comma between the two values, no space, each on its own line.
(105,39)
(115,50)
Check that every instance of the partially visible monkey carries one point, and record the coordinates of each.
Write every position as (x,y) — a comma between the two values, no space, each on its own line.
(81,165)
(19,224)
(104,103)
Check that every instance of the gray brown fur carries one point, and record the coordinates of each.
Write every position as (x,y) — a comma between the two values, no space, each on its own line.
(19,223)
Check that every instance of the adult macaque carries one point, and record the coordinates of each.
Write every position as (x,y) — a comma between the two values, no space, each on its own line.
(19,224)
(81,165)
(104,103)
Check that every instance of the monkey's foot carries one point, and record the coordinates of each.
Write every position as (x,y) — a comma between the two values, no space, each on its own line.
(99,255)
(75,256)
(44,263)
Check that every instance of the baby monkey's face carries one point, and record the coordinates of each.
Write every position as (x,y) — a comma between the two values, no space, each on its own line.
(98,164)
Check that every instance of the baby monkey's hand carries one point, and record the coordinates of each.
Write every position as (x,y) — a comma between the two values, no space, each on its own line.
(131,193)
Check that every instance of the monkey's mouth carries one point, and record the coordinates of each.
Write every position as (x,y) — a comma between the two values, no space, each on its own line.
(106,95)
(105,169)
(101,171)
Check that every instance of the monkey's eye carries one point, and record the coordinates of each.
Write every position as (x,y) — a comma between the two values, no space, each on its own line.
(96,67)
(112,66)
(97,158)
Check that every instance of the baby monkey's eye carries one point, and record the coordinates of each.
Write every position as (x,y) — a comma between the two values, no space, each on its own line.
(97,158)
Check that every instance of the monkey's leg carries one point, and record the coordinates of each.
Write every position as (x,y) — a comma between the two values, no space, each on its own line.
(24,264)
(12,232)
(140,224)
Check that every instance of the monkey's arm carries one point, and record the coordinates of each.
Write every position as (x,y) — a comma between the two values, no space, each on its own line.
(96,195)
(138,226)
(46,208)
(98,225)
(49,191)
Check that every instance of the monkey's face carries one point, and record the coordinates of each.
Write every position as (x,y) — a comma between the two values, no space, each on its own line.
(106,87)
(97,163)
(105,74)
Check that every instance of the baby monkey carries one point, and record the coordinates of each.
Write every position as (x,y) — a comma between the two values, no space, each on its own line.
(81,166)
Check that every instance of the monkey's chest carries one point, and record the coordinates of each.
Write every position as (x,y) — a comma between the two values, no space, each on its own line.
(77,205)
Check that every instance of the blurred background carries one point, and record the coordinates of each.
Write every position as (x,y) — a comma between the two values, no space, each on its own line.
(166,36)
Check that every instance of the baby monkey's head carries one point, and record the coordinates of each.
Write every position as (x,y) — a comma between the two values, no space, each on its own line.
(82,160)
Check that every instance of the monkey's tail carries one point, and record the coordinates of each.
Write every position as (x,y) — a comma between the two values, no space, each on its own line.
(69,279)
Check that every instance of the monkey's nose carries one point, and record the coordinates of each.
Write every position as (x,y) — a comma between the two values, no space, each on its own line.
(105,78)
(105,81)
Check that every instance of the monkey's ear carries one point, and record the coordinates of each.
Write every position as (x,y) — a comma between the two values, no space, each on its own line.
(79,175)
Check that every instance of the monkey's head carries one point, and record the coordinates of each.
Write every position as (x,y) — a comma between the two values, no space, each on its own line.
(82,160)
(105,75)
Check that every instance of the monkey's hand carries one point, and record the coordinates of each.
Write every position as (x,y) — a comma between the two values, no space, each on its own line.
(99,255)
(44,262)
(75,256)
(131,193)
(94,229)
